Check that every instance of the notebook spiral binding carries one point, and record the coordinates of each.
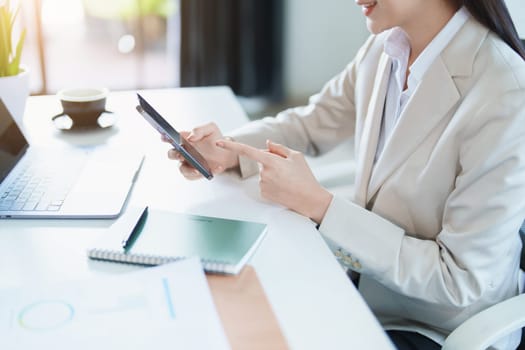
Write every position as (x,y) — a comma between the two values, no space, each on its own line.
(152,260)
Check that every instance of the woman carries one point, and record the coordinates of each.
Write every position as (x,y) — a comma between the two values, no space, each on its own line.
(435,100)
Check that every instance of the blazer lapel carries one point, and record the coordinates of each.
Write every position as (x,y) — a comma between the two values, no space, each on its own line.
(435,96)
(371,127)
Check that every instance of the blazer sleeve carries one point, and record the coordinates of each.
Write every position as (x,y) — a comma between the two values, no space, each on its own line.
(478,244)
(327,120)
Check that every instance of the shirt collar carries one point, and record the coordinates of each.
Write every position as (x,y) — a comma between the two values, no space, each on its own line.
(437,45)
(397,47)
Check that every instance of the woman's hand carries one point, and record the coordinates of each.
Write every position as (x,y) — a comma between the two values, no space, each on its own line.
(286,178)
(204,139)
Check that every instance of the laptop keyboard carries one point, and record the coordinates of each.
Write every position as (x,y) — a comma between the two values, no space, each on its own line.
(38,187)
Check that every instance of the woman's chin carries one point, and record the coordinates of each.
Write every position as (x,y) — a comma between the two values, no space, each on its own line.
(374,27)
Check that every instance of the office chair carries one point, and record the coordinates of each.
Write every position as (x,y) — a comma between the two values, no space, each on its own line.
(485,328)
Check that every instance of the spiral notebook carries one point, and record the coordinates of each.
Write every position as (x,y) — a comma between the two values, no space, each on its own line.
(223,245)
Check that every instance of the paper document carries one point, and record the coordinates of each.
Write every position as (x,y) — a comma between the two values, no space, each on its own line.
(165,307)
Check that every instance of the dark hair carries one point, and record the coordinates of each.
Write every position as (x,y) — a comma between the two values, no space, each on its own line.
(494,15)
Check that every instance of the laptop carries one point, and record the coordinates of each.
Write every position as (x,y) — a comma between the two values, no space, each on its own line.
(61,183)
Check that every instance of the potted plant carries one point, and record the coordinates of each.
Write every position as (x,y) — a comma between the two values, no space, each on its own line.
(14,78)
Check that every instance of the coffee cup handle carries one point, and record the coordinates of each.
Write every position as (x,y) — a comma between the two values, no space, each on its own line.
(57,116)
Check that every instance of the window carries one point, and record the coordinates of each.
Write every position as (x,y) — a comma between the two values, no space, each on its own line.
(119,44)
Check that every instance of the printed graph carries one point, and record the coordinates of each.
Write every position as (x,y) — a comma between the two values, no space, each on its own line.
(46,315)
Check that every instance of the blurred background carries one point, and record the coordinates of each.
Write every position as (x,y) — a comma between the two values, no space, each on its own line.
(273,53)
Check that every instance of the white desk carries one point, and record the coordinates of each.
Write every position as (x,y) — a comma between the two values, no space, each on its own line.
(316,305)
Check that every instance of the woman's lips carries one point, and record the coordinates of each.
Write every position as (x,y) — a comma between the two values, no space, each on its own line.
(367,7)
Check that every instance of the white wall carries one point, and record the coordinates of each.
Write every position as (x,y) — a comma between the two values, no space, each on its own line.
(321,37)
(517,12)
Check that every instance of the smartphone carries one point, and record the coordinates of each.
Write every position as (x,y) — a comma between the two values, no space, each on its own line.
(177,141)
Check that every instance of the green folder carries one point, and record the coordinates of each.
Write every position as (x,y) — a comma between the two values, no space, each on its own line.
(223,245)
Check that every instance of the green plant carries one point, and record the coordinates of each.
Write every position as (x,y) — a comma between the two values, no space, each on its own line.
(9,59)
(128,9)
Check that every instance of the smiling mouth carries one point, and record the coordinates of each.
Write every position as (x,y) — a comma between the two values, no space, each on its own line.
(367,7)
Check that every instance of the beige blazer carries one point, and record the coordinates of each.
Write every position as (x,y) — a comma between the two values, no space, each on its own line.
(433,225)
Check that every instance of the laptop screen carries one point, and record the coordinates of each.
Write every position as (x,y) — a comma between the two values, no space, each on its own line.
(13,144)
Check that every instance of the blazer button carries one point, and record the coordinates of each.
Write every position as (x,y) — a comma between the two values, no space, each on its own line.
(356,265)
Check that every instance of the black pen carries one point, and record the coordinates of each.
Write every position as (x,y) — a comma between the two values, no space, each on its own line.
(128,241)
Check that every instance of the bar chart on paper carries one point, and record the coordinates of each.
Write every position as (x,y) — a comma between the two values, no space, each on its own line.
(165,306)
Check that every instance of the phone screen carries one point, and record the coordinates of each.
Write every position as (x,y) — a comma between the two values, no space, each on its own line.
(179,143)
